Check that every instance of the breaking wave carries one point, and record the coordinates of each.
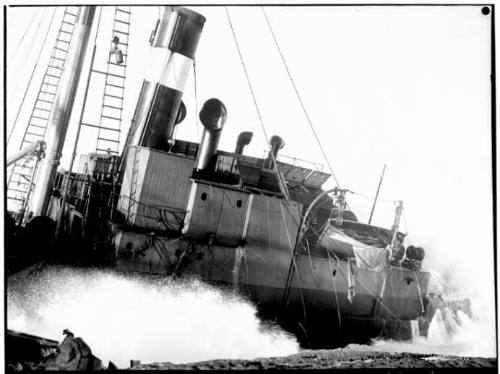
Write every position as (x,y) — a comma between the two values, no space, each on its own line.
(125,317)
(449,333)
(460,336)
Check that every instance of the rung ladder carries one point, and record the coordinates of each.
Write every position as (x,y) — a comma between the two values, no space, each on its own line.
(108,136)
(133,188)
(19,185)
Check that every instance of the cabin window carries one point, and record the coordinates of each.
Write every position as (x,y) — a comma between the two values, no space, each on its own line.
(204,196)
(239,203)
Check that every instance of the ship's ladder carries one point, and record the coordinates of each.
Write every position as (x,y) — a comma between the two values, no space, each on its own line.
(108,136)
(133,186)
(21,179)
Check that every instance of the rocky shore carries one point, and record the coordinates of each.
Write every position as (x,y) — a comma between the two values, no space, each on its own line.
(28,352)
(334,359)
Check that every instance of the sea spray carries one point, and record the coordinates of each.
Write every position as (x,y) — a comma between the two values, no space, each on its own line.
(124,317)
(449,333)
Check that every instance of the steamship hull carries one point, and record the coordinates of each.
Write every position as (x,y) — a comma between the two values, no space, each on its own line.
(320,309)
(171,219)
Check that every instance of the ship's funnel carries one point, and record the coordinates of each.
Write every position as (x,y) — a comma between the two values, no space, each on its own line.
(159,109)
(276,143)
(244,139)
(213,116)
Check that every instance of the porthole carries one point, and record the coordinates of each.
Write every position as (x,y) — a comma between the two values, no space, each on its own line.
(204,196)
(239,203)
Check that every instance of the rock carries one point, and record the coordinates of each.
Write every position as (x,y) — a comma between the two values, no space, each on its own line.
(112,366)
(15,367)
(72,354)
(27,351)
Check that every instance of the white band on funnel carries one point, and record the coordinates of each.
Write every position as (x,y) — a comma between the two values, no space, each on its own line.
(157,61)
(176,72)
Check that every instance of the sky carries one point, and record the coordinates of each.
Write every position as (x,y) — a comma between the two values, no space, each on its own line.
(404,86)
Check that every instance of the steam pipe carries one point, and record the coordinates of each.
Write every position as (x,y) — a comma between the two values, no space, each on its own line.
(276,143)
(213,115)
(244,139)
(58,121)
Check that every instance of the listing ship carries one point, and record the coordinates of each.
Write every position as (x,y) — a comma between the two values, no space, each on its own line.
(264,227)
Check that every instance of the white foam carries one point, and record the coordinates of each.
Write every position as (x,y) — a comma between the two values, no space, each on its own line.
(448,334)
(124,317)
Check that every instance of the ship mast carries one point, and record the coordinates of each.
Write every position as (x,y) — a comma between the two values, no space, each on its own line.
(59,118)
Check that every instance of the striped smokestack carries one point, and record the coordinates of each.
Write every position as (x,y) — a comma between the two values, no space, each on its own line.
(173,42)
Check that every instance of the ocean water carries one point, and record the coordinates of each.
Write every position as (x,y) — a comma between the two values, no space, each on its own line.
(142,318)
(466,337)
(125,317)
(449,333)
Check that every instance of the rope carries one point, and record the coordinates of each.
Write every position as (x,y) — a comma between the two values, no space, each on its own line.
(288,238)
(268,224)
(419,291)
(282,184)
(379,299)
(12,57)
(372,198)
(334,277)
(30,48)
(247,76)
(309,256)
(196,100)
(31,77)
(300,99)
(294,264)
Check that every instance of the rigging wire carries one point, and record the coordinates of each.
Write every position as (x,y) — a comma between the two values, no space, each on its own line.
(254,98)
(406,224)
(293,265)
(300,98)
(13,56)
(279,176)
(372,198)
(31,77)
(30,48)
(196,99)
(334,281)
(377,298)
(247,76)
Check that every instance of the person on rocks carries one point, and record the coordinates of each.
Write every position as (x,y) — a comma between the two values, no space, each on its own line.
(73,354)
